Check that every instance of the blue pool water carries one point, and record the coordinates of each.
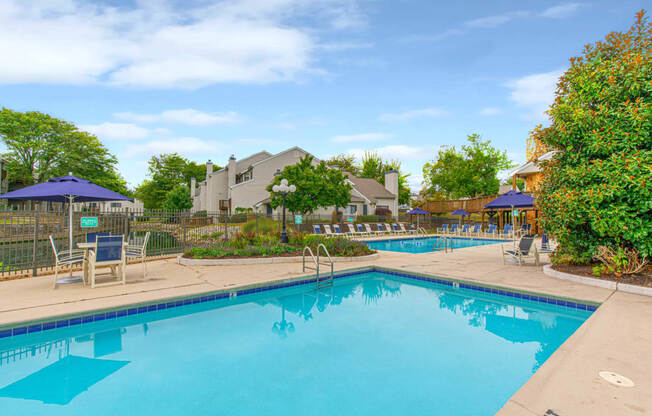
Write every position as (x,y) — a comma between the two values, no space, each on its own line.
(373,344)
(427,244)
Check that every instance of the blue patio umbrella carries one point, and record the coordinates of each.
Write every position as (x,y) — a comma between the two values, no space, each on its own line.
(461,213)
(510,200)
(66,189)
(418,211)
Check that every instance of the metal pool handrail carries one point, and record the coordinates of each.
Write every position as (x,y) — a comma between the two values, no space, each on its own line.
(444,240)
(329,281)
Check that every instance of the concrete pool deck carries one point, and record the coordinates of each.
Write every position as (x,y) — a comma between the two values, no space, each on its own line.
(618,337)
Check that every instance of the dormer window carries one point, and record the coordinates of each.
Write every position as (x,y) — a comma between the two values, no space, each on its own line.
(245,176)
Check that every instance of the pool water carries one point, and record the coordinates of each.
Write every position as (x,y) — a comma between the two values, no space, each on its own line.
(428,244)
(373,344)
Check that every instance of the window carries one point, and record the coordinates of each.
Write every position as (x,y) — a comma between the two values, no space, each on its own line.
(351,209)
(244,176)
(116,205)
(364,209)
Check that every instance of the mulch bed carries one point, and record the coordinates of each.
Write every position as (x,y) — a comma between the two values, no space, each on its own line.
(644,278)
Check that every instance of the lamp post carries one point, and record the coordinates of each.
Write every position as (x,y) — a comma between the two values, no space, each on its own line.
(283,190)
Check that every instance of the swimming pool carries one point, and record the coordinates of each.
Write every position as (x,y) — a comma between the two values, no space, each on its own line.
(374,344)
(427,244)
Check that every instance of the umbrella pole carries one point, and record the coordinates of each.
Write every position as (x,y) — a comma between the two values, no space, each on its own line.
(70,199)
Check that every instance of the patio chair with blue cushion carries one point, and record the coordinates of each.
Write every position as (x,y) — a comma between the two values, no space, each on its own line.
(91,237)
(316,229)
(338,231)
(507,231)
(369,231)
(361,229)
(453,229)
(397,230)
(389,229)
(327,230)
(109,251)
(381,229)
(525,249)
(545,243)
(66,258)
(465,229)
(476,229)
(138,252)
(443,229)
(491,230)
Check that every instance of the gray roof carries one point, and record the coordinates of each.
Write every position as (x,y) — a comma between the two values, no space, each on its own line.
(370,188)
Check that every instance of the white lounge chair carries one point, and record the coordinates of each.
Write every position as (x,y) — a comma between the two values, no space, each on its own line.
(327,229)
(406,230)
(369,230)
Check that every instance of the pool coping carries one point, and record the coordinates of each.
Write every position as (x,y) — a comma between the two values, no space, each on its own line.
(67,320)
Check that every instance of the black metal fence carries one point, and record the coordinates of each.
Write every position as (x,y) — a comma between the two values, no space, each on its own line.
(25,248)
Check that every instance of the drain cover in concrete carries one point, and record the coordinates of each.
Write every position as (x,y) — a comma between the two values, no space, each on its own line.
(616,379)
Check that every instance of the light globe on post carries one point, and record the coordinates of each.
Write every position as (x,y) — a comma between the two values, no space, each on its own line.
(283,190)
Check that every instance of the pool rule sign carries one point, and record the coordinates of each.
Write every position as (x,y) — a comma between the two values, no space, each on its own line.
(298,219)
(89,222)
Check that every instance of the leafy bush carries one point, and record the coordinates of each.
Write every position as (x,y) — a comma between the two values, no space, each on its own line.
(200,214)
(265,226)
(366,218)
(250,244)
(597,190)
(383,212)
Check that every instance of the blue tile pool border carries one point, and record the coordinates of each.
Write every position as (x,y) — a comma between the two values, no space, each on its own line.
(129,310)
(380,240)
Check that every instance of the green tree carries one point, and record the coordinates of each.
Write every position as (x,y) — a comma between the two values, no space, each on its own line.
(41,146)
(471,172)
(344,162)
(318,186)
(597,189)
(373,166)
(178,199)
(165,172)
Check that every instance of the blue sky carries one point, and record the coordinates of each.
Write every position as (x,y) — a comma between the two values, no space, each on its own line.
(210,78)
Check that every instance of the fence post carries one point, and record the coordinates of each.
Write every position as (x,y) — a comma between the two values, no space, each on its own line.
(256,223)
(35,245)
(184,232)
(226,226)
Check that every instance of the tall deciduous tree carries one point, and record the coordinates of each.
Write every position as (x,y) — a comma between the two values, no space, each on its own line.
(344,162)
(471,172)
(318,186)
(597,190)
(373,166)
(165,172)
(41,146)
(178,199)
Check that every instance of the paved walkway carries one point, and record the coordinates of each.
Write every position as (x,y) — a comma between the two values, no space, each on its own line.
(618,337)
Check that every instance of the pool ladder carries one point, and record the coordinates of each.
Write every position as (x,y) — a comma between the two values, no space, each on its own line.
(447,242)
(321,282)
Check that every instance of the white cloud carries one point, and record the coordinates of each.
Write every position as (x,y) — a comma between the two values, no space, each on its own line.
(186,116)
(562,11)
(415,182)
(154,45)
(411,114)
(395,151)
(493,21)
(361,137)
(116,131)
(534,93)
(181,145)
(491,111)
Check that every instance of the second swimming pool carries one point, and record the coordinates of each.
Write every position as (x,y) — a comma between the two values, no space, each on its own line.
(427,244)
